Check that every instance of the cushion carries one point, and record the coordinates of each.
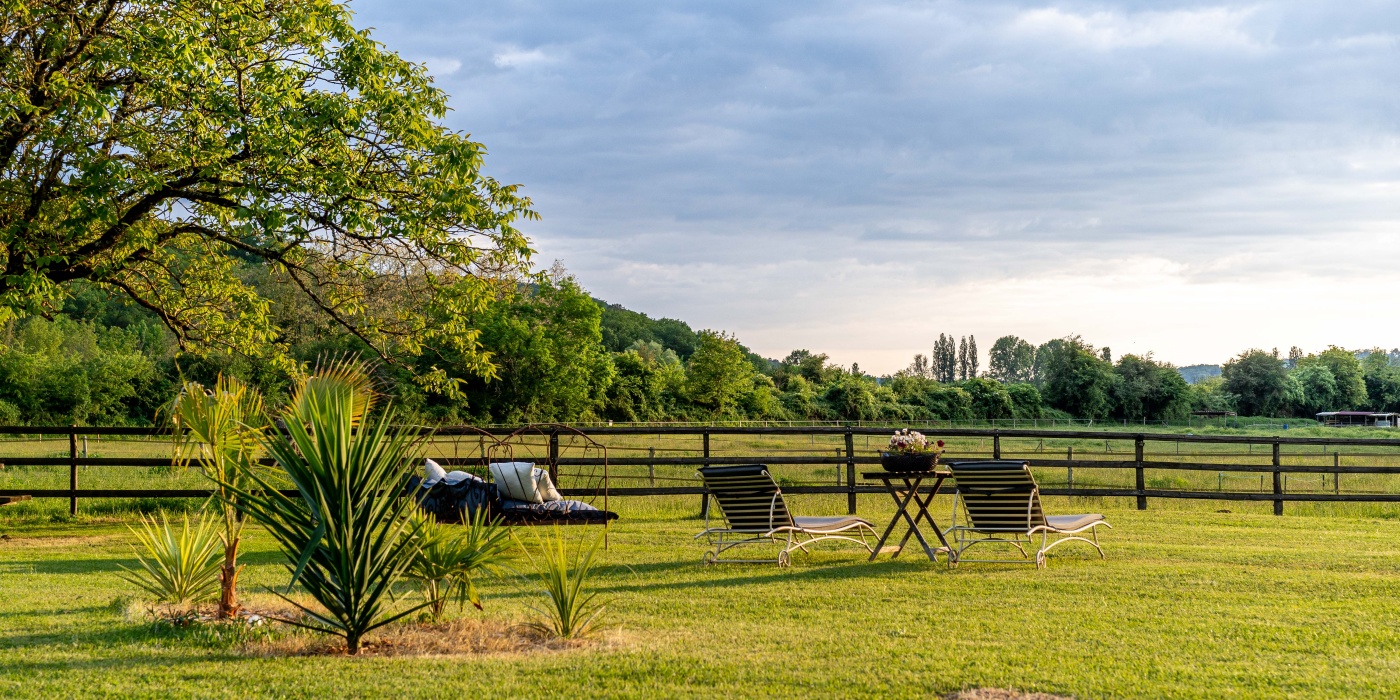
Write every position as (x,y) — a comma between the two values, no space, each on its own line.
(836,522)
(456,503)
(1072,522)
(456,477)
(560,512)
(545,487)
(432,473)
(516,480)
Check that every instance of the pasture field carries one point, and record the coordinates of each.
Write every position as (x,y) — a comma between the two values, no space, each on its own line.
(1190,603)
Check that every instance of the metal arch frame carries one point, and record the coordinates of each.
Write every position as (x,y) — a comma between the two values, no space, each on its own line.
(507,444)
(989,536)
(488,443)
(722,537)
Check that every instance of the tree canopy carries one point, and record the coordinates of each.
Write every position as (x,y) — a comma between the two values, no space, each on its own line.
(154,148)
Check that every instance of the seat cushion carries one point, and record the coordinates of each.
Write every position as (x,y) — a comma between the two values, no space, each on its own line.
(563,512)
(835,522)
(1072,522)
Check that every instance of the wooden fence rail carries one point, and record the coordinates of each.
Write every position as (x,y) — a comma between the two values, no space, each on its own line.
(848,458)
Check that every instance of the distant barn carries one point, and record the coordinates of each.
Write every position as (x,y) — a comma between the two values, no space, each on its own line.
(1367,418)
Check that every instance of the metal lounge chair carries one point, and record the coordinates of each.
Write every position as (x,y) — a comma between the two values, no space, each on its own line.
(1001,503)
(754,513)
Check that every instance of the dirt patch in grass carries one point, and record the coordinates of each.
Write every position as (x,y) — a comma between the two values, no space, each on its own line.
(33,541)
(1001,694)
(450,638)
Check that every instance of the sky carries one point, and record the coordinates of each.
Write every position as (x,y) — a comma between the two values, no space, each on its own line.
(854,178)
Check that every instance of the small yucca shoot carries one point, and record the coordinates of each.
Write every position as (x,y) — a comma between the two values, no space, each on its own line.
(571,611)
(177,568)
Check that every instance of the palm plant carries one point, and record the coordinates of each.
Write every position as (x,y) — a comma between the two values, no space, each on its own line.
(176,568)
(572,610)
(449,559)
(222,429)
(346,530)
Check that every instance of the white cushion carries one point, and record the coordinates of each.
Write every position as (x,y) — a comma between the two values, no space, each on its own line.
(456,477)
(432,473)
(545,487)
(516,480)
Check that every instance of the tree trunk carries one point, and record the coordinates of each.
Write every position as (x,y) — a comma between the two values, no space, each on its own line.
(352,644)
(228,582)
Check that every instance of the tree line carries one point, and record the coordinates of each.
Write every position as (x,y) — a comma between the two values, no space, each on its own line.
(561,355)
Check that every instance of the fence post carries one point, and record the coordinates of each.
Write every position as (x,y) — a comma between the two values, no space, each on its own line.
(1141,481)
(838,467)
(996,444)
(1069,454)
(1278,482)
(705,497)
(554,455)
(1337,475)
(850,473)
(73,472)
(651,465)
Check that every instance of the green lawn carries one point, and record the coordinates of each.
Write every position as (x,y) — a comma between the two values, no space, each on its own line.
(1190,603)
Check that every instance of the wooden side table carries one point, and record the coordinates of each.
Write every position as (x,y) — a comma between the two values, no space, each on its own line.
(904,489)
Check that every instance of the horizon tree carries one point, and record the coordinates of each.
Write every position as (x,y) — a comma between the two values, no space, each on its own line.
(1011,360)
(1259,382)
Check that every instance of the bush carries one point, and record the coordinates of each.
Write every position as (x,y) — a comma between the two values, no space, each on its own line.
(175,568)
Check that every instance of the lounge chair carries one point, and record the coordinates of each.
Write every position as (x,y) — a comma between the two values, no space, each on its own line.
(1001,503)
(754,513)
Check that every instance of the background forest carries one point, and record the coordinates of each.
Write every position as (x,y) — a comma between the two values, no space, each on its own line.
(564,356)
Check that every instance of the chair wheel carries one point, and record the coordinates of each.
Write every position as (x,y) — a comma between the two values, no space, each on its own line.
(784,559)
(708,559)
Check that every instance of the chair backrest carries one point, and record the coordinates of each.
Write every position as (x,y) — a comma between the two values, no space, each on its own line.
(998,495)
(747,496)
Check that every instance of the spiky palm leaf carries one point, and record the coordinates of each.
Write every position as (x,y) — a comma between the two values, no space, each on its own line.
(335,377)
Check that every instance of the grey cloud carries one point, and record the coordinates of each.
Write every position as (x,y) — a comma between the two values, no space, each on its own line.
(689,158)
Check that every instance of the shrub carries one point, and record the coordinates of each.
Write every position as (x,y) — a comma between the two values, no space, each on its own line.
(450,557)
(175,568)
(347,532)
(571,611)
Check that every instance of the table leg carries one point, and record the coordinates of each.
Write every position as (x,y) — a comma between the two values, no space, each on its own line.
(901,508)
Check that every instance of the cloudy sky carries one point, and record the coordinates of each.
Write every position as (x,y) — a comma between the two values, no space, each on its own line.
(857,177)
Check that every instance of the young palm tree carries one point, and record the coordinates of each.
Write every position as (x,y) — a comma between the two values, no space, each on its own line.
(221,429)
(346,531)
(450,557)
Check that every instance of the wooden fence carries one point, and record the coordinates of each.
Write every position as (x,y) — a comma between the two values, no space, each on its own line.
(1146,455)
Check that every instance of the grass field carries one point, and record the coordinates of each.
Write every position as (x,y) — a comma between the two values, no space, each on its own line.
(1189,603)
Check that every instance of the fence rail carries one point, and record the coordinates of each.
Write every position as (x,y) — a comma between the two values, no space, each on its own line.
(830,454)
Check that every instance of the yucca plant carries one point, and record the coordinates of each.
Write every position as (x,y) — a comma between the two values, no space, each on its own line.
(176,568)
(571,610)
(221,429)
(451,557)
(347,531)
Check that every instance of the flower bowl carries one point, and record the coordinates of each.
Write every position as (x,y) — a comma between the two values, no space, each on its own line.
(908,462)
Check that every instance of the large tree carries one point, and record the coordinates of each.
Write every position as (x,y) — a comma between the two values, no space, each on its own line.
(159,148)
(1259,382)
